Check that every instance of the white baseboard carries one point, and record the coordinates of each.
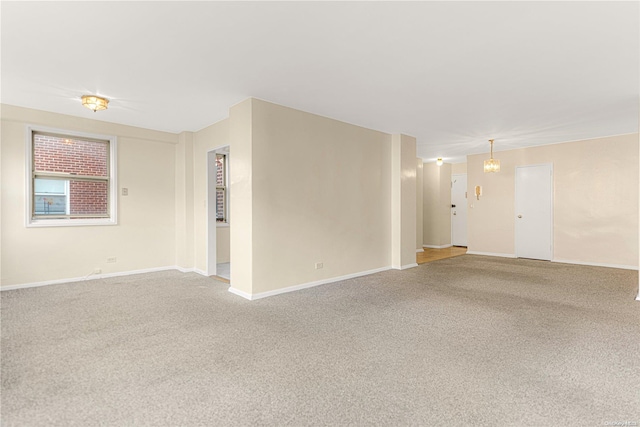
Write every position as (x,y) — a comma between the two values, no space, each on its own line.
(99,276)
(491,254)
(404,267)
(419,250)
(260,295)
(595,264)
(240,293)
(192,270)
(561,261)
(436,247)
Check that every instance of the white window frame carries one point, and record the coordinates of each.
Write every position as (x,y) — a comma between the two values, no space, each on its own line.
(68,222)
(224,188)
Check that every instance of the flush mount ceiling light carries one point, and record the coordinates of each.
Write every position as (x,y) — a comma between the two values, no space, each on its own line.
(491,165)
(95,103)
(439,161)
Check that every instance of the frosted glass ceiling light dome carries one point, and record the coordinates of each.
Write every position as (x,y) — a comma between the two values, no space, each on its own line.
(94,102)
(439,161)
(491,165)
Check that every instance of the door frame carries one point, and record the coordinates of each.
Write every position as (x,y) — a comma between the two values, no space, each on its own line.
(515,207)
(212,230)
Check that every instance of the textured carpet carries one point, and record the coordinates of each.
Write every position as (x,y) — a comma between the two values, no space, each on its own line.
(464,341)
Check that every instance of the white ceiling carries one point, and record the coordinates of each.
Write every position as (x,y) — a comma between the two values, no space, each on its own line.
(452,74)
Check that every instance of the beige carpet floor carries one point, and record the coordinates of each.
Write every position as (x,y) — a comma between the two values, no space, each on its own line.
(470,340)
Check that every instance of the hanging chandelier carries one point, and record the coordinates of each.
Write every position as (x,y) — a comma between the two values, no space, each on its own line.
(491,165)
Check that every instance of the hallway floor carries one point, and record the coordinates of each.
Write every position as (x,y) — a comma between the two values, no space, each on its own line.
(224,272)
(431,254)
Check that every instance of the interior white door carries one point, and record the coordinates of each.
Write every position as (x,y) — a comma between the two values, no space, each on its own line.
(534,211)
(459,209)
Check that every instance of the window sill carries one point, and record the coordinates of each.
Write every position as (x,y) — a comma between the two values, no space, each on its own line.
(69,223)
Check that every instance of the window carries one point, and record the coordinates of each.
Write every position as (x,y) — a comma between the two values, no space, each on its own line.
(51,197)
(221,188)
(71,178)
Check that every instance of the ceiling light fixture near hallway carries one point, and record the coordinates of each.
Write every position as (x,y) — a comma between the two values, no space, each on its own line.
(439,161)
(491,165)
(95,103)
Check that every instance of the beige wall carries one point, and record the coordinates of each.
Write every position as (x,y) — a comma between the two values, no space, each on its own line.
(458,168)
(437,205)
(184,201)
(223,244)
(595,200)
(306,189)
(403,201)
(419,203)
(241,196)
(145,235)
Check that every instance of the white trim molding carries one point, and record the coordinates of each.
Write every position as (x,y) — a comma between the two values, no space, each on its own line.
(240,293)
(405,267)
(595,264)
(252,297)
(101,276)
(436,247)
(491,254)
(419,250)
(191,270)
(560,261)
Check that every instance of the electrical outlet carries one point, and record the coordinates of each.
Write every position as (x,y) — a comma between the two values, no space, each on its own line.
(319,265)
(97,271)
(111,259)
(125,191)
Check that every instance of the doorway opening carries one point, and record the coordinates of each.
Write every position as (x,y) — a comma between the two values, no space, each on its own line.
(218,221)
